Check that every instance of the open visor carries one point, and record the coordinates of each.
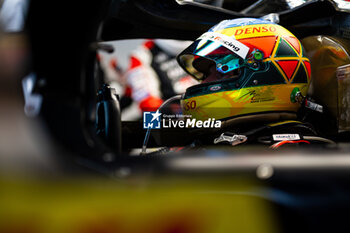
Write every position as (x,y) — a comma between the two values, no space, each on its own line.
(212,49)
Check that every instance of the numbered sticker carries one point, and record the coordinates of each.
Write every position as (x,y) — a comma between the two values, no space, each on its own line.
(190,105)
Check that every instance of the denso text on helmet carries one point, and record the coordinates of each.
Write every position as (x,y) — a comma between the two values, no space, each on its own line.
(255,29)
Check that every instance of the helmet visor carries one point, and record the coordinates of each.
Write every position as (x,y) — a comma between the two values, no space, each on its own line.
(213,49)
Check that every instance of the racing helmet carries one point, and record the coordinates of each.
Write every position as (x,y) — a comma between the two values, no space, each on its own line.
(248,68)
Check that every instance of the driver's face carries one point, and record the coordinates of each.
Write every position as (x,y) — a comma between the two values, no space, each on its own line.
(214,75)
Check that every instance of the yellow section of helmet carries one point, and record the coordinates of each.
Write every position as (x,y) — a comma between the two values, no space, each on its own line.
(245,101)
(257,30)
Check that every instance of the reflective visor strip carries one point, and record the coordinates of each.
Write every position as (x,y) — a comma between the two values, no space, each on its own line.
(228,42)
